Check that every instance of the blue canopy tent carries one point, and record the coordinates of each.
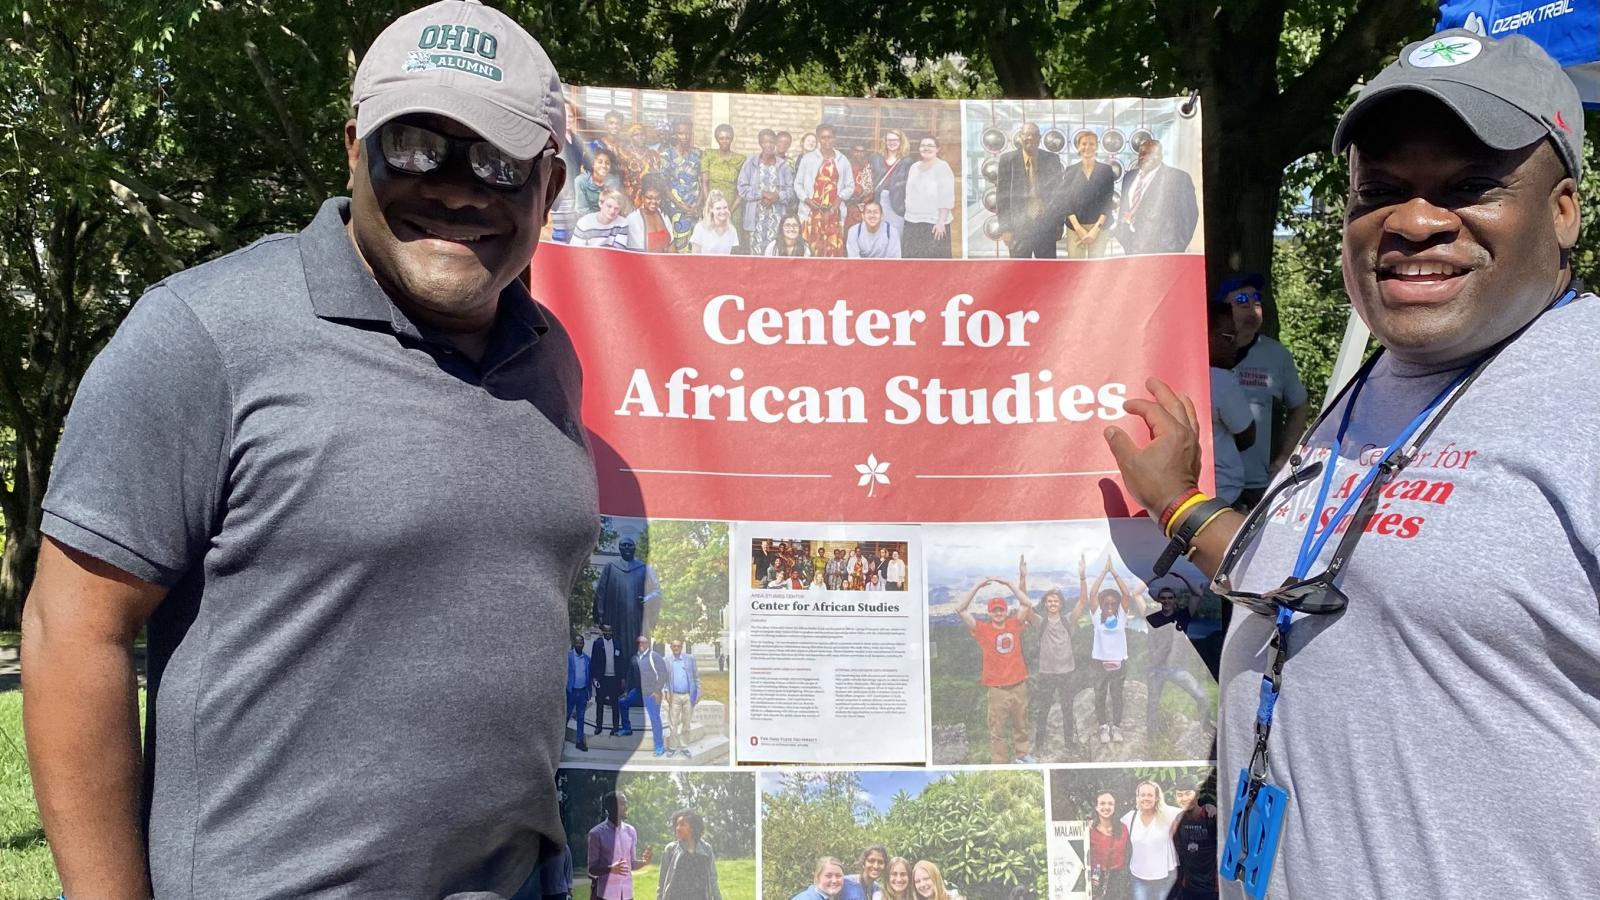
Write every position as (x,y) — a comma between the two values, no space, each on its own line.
(1568,29)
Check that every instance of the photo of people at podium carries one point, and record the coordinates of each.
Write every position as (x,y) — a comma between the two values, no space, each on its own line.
(1081,179)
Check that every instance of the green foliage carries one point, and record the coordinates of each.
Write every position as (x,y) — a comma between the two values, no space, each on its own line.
(1073,791)
(725,799)
(985,830)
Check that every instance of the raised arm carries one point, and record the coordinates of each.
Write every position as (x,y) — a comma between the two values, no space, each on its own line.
(964,608)
(1029,613)
(1168,465)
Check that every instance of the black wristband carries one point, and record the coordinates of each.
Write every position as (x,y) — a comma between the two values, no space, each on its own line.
(1196,516)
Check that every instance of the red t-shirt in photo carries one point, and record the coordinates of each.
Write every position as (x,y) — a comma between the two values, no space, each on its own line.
(1002,652)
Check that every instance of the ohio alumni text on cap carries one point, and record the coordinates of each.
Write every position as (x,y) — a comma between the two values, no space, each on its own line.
(465,61)
(1509,92)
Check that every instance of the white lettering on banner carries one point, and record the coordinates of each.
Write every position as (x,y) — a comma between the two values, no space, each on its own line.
(1531,16)
(1029,398)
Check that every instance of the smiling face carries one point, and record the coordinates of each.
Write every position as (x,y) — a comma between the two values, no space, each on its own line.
(677,648)
(808,142)
(1184,796)
(1148,796)
(1247,313)
(873,865)
(1088,145)
(724,136)
(791,230)
(613,125)
(928,148)
(830,879)
(719,212)
(600,169)
(1449,245)
(1105,805)
(899,877)
(825,141)
(922,879)
(1052,604)
(651,201)
(443,244)
(893,142)
(609,210)
(1029,138)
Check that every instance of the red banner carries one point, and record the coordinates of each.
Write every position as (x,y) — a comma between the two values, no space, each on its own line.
(809,390)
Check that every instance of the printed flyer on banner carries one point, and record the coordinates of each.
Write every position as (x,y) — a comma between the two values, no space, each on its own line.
(830,632)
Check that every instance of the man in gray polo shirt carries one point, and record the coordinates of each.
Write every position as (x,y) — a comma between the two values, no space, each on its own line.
(341,477)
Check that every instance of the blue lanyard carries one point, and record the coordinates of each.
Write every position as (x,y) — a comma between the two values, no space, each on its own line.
(1313,542)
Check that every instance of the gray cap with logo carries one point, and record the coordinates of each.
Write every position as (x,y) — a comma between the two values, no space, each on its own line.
(470,63)
(1509,92)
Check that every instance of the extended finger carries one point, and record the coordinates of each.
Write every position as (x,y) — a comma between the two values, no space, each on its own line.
(1168,398)
(1122,448)
(1188,408)
(1157,418)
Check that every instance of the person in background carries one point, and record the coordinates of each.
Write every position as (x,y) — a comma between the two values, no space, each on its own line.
(1266,373)
(681,163)
(553,877)
(895,575)
(1089,189)
(897,880)
(766,189)
(784,141)
(789,242)
(1194,839)
(602,176)
(930,196)
(715,235)
(609,663)
(565,212)
(1028,198)
(613,851)
(611,141)
(1151,859)
(1005,673)
(655,686)
(928,881)
(580,680)
(688,869)
(824,181)
(866,180)
(1159,205)
(872,237)
(1108,851)
(722,167)
(1233,424)
(648,229)
(605,227)
(1053,667)
(827,881)
(683,687)
(864,885)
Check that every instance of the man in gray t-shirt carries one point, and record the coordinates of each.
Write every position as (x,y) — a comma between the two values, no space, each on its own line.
(341,477)
(1468,651)
(1266,375)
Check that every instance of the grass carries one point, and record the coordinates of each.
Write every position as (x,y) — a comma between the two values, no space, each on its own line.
(26,869)
(736,877)
(714,686)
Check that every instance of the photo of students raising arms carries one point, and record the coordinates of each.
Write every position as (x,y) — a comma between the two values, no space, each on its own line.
(1076,615)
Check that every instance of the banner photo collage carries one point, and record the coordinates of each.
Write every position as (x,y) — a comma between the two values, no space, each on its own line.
(868,588)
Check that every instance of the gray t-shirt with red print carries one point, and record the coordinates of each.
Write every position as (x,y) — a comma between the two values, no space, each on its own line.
(1436,737)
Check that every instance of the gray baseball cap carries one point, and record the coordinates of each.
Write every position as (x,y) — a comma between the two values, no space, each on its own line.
(470,63)
(1509,92)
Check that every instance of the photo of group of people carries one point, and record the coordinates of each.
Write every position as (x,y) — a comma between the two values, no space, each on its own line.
(782,176)
(1042,635)
(647,672)
(1082,179)
(666,835)
(903,835)
(1133,833)
(823,565)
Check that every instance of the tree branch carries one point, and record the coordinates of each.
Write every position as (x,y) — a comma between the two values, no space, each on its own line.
(148,226)
(291,131)
(1307,103)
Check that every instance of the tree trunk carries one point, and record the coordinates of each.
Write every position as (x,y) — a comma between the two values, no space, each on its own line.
(16,572)
(1241,210)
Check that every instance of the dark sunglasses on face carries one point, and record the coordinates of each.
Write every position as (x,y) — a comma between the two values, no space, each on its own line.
(1243,297)
(414,150)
